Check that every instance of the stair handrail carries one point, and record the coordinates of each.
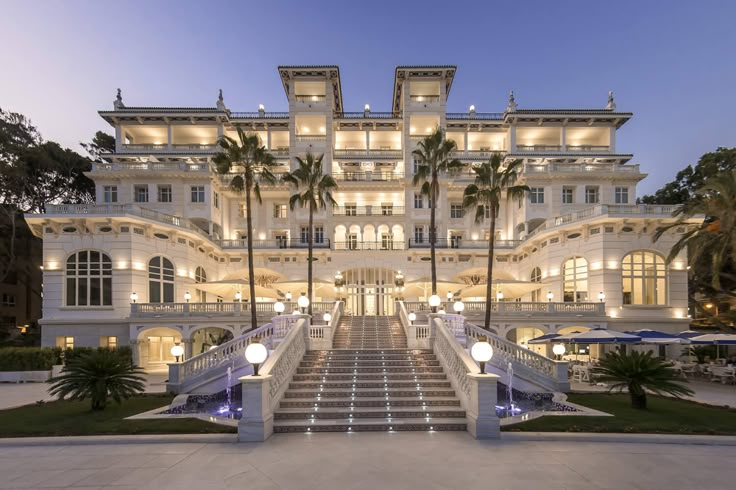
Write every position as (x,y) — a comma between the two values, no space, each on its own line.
(418,336)
(456,362)
(526,363)
(283,362)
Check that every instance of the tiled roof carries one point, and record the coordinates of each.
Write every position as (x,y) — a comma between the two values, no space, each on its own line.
(571,111)
(166,109)
(405,67)
(288,67)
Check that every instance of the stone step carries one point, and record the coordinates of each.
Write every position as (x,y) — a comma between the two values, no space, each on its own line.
(362,377)
(369,425)
(363,369)
(389,413)
(368,357)
(330,385)
(368,363)
(310,403)
(371,351)
(366,392)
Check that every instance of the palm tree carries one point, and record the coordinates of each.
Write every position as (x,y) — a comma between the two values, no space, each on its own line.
(251,163)
(492,180)
(316,193)
(640,372)
(434,156)
(97,376)
(715,237)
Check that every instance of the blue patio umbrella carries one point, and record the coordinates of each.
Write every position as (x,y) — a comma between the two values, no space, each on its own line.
(649,336)
(603,336)
(688,334)
(716,339)
(543,339)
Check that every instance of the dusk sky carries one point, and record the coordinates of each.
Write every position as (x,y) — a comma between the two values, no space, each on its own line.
(672,63)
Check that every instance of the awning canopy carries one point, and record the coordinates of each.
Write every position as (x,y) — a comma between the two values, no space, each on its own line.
(543,339)
(602,336)
(714,339)
(649,336)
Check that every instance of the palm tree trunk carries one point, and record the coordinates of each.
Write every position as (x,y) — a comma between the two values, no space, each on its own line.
(251,270)
(309,257)
(489,272)
(638,401)
(433,230)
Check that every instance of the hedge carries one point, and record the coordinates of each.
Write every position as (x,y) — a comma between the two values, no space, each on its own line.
(43,358)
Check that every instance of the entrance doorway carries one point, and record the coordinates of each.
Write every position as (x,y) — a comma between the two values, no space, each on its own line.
(370,291)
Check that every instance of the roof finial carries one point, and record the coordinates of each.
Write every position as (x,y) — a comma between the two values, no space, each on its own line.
(221,103)
(512,103)
(611,103)
(118,103)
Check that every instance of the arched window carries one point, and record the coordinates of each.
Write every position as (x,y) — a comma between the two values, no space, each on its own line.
(160,280)
(644,276)
(536,276)
(200,277)
(575,280)
(88,279)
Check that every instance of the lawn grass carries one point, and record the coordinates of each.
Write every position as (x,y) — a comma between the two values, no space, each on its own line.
(75,418)
(663,416)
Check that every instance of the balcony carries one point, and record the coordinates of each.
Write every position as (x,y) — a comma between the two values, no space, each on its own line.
(554,168)
(310,138)
(462,244)
(377,210)
(381,245)
(588,148)
(258,115)
(368,154)
(156,310)
(150,167)
(368,176)
(175,147)
(537,148)
(310,98)
(424,98)
(488,116)
(367,115)
(275,244)
(481,155)
(524,308)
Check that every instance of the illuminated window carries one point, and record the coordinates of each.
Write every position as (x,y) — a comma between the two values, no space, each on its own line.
(65,342)
(644,276)
(536,276)
(88,279)
(200,277)
(160,280)
(575,279)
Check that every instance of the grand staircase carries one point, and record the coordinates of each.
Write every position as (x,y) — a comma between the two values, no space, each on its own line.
(369,381)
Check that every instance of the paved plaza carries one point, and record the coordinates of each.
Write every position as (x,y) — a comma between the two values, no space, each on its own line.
(426,461)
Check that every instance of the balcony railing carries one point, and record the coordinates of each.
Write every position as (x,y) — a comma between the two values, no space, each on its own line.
(581,167)
(372,153)
(279,152)
(275,243)
(538,148)
(462,243)
(144,146)
(259,115)
(476,154)
(367,115)
(377,210)
(193,147)
(310,98)
(175,147)
(522,308)
(139,310)
(495,116)
(368,176)
(150,167)
(308,138)
(384,245)
(424,98)
(588,148)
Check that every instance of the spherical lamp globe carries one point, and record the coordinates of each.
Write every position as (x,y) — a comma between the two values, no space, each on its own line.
(177,351)
(327,317)
(458,306)
(482,352)
(279,307)
(412,317)
(434,302)
(255,354)
(558,350)
(303,302)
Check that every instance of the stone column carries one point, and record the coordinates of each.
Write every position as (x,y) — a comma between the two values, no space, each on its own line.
(135,351)
(188,344)
(256,424)
(563,139)
(481,410)
(169,137)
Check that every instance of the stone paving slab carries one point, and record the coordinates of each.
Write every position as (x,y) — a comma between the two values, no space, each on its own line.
(424,461)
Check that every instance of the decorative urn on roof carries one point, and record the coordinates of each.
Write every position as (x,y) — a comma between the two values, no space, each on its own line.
(611,103)
(221,103)
(512,103)
(118,103)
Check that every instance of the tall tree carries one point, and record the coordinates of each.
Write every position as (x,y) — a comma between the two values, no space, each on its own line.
(434,156)
(314,191)
(251,163)
(691,178)
(493,182)
(101,144)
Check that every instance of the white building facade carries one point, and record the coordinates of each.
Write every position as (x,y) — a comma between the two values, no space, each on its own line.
(137,267)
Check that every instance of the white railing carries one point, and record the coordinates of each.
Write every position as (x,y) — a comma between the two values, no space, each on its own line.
(212,364)
(282,363)
(418,335)
(527,364)
(235,308)
(283,324)
(523,308)
(581,167)
(454,359)
(150,167)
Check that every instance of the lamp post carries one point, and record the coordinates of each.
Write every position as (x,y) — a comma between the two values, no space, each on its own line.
(412,318)
(327,317)
(558,350)
(458,306)
(550,296)
(238,296)
(303,302)
(601,296)
(187,296)
(133,297)
(177,351)
(288,296)
(482,352)
(449,296)
(279,307)
(255,354)
(434,302)
(499,296)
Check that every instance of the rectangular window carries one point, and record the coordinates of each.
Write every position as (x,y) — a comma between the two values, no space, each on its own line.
(351,209)
(279,211)
(282,241)
(110,193)
(591,194)
(387,209)
(418,234)
(197,193)
(456,210)
(109,342)
(418,201)
(416,166)
(387,241)
(164,193)
(65,342)
(568,195)
(304,234)
(455,241)
(140,193)
(352,241)
(622,195)
(319,234)
(486,212)
(536,195)
(217,199)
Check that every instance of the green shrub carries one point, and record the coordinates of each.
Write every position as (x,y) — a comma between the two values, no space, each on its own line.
(27,358)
